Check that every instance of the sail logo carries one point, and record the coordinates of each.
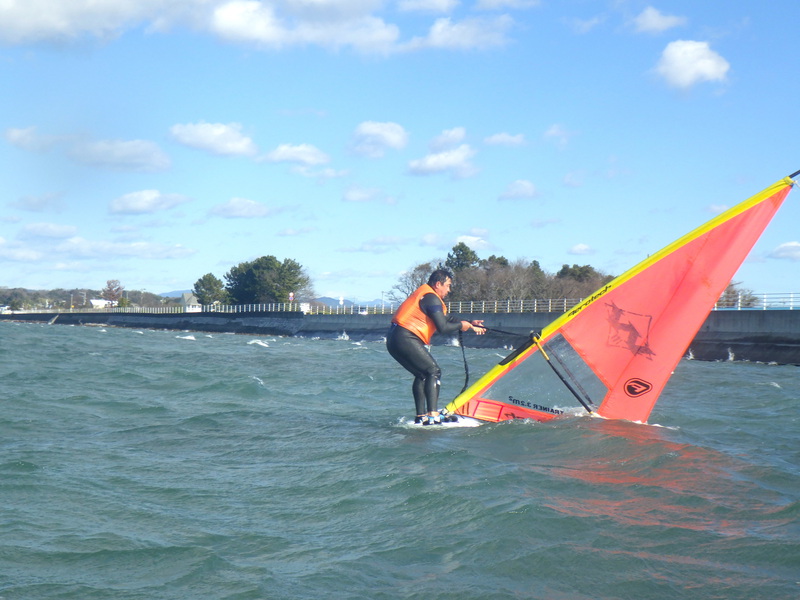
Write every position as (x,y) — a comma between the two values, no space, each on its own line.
(637,387)
(629,330)
(588,301)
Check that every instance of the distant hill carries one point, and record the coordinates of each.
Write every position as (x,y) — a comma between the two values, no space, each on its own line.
(334,302)
(326,300)
(175,294)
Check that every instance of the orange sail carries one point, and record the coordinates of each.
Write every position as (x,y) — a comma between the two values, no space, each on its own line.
(616,350)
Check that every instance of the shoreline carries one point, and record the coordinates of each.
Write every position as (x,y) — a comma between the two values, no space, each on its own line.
(770,336)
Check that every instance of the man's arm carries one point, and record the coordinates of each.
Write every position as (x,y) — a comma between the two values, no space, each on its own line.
(431,305)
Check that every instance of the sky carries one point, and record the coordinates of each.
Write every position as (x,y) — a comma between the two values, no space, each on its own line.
(156,141)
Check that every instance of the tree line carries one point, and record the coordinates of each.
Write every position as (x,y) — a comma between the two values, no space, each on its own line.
(498,278)
(269,280)
(79,298)
(260,281)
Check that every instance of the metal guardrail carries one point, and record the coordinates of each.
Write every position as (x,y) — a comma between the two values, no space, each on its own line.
(748,301)
(784,301)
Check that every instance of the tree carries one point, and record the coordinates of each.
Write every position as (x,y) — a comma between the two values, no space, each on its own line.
(209,289)
(736,297)
(410,281)
(461,258)
(494,262)
(266,279)
(497,278)
(113,291)
(538,280)
(578,273)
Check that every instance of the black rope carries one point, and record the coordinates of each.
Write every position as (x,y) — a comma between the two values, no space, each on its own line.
(464,353)
(500,331)
(464,356)
(560,376)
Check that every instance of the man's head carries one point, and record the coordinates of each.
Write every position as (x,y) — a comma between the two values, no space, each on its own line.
(441,280)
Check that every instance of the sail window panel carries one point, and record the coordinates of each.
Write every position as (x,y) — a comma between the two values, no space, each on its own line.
(529,384)
(574,369)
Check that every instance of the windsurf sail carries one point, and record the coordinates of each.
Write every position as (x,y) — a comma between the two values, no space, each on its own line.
(615,351)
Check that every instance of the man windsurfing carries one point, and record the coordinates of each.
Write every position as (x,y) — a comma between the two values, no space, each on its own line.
(413,325)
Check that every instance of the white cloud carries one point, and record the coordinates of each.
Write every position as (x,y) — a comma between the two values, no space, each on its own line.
(581,249)
(541,223)
(519,189)
(503,4)
(328,25)
(124,155)
(574,179)
(472,33)
(430,6)
(270,25)
(145,201)
(359,194)
(78,247)
(455,161)
(29,139)
(505,139)
(321,175)
(249,22)
(789,251)
(449,138)
(291,232)
(685,63)
(16,252)
(219,138)
(475,242)
(356,193)
(650,20)
(372,138)
(378,245)
(49,230)
(25,21)
(241,208)
(583,26)
(559,135)
(43,203)
(431,239)
(305,154)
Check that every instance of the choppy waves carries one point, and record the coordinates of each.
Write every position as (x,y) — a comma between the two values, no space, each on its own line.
(141,465)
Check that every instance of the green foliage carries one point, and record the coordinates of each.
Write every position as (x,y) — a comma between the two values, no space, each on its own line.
(497,278)
(209,289)
(495,262)
(578,273)
(266,279)
(461,258)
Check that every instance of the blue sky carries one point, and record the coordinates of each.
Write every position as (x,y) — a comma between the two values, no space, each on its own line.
(155,141)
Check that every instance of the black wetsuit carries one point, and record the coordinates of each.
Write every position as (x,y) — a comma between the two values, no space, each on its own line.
(410,351)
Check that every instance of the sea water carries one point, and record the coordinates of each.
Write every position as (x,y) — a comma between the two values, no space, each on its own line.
(157,465)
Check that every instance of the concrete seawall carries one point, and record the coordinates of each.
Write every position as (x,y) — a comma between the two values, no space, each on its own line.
(754,335)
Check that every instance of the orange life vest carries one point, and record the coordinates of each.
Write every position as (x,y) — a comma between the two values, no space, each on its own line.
(410,315)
